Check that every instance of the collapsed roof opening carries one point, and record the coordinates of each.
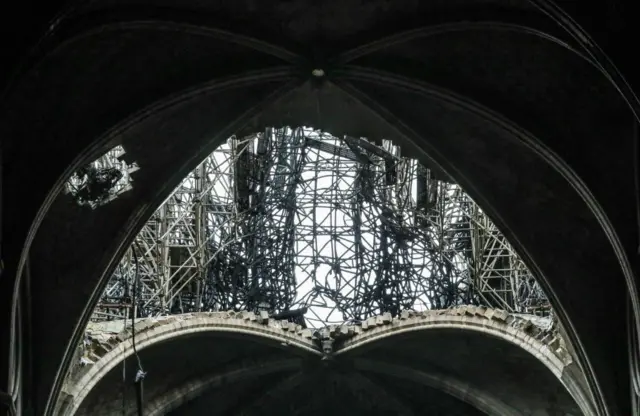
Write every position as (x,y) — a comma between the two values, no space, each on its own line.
(318,229)
(102,180)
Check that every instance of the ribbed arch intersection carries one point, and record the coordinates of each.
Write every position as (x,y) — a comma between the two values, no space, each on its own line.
(287,358)
(501,108)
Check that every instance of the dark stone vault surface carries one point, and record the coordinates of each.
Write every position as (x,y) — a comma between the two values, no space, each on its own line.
(467,361)
(518,110)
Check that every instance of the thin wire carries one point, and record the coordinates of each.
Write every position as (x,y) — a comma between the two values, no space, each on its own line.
(140,373)
(124,384)
(133,305)
(124,358)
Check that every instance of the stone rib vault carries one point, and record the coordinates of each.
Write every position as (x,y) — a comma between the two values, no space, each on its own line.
(369,351)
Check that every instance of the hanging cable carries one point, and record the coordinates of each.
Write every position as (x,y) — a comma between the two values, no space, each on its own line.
(124,356)
(140,373)
(124,386)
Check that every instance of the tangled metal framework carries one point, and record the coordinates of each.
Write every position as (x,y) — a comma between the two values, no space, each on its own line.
(298,222)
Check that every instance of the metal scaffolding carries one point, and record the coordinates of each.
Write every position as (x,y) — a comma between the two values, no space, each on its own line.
(298,222)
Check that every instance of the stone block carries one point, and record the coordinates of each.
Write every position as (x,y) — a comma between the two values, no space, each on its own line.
(123,335)
(554,343)
(500,315)
(480,310)
(100,349)
(263,318)
(489,313)
(141,326)
(332,330)
(386,318)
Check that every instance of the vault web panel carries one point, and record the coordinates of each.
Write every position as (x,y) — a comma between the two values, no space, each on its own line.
(296,221)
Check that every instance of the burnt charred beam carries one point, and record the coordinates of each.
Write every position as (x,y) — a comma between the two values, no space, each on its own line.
(290,314)
(241,173)
(391,174)
(359,155)
(355,142)
(356,209)
(342,152)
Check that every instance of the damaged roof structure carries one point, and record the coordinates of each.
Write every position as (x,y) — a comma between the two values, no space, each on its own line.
(514,100)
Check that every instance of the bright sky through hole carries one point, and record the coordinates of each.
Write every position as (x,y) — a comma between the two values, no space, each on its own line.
(331,179)
(346,226)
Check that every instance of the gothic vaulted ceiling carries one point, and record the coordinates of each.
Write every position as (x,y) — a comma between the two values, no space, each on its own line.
(467,361)
(497,94)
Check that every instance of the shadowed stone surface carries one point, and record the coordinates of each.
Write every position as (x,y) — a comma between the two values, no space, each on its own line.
(467,360)
(76,95)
